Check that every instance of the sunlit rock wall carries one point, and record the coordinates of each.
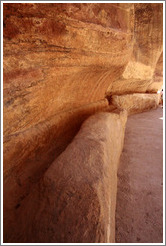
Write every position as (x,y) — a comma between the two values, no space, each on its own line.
(58,58)
(61,62)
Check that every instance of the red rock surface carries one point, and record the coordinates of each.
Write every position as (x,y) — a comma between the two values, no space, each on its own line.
(76,198)
(61,62)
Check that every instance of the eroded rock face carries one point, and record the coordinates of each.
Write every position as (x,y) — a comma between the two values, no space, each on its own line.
(136,103)
(139,74)
(59,59)
(60,56)
(75,200)
(60,62)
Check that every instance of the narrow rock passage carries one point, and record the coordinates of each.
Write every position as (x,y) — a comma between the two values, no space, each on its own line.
(140,182)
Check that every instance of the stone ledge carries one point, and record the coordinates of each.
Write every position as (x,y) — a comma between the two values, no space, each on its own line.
(136,103)
(75,200)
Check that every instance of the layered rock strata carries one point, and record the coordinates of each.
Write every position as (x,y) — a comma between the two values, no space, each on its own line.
(61,62)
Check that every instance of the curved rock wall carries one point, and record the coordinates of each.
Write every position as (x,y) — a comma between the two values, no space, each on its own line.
(58,59)
(61,62)
(147,49)
(60,56)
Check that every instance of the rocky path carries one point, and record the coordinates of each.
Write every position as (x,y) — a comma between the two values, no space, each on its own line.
(140,182)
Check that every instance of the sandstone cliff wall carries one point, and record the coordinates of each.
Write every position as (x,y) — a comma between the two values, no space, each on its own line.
(61,62)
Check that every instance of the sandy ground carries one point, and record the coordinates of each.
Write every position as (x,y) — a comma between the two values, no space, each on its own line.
(140,182)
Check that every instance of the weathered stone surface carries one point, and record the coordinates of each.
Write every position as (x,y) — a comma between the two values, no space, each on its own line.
(75,200)
(55,60)
(136,103)
(56,72)
(157,81)
(146,58)
(60,62)
(34,149)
